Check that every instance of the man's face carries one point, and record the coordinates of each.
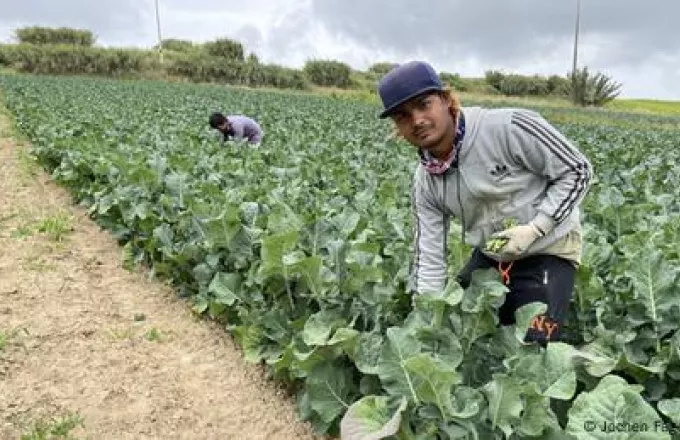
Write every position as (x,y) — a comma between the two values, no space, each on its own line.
(424,121)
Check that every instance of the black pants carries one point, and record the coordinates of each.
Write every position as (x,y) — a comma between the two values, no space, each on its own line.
(537,278)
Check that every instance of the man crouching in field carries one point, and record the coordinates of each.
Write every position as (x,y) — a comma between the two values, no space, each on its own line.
(236,127)
(513,180)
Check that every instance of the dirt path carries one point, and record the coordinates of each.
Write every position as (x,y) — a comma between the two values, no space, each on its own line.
(83,339)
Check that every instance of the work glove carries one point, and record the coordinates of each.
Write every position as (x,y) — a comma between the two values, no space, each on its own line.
(519,238)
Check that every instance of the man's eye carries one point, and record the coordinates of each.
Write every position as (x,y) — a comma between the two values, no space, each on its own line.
(423,104)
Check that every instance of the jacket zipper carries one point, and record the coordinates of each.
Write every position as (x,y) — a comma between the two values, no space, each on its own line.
(460,205)
(462,211)
(446,226)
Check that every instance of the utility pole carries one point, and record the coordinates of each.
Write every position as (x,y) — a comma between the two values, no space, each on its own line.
(160,39)
(573,69)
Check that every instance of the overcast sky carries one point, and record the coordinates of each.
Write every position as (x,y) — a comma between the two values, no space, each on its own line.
(638,43)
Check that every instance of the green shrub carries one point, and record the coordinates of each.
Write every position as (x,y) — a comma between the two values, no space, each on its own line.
(596,90)
(66,59)
(558,85)
(494,78)
(205,69)
(328,73)
(380,69)
(177,45)
(520,85)
(454,81)
(225,48)
(62,35)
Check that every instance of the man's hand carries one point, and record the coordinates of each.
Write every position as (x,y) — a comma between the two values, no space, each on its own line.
(518,239)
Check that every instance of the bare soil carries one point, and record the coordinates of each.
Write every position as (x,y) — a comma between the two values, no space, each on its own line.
(81,336)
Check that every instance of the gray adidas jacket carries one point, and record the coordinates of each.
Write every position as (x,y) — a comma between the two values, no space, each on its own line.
(512,164)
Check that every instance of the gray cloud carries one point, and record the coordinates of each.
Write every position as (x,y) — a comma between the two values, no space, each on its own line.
(498,32)
(251,37)
(289,34)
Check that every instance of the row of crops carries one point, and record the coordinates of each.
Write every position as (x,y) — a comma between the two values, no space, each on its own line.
(301,249)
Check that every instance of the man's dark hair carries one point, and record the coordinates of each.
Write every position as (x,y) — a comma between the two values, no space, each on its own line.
(217,119)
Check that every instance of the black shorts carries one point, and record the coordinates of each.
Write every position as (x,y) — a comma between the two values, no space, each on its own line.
(537,278)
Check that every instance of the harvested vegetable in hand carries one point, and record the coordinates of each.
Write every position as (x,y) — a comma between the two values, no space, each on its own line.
(496,244)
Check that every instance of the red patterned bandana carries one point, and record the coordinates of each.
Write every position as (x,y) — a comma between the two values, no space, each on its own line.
(436,166)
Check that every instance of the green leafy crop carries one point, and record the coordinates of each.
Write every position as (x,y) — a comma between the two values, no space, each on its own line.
(301,248)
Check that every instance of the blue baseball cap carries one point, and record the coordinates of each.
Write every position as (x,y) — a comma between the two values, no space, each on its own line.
(406,81)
